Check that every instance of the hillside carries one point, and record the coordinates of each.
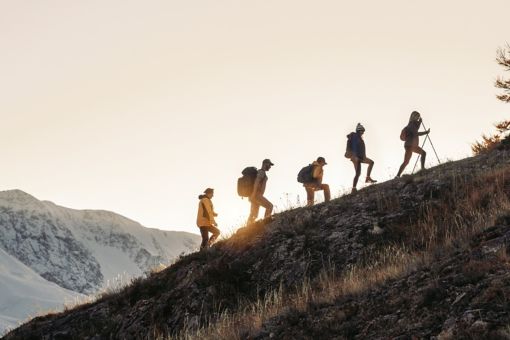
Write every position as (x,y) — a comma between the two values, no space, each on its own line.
(344,264)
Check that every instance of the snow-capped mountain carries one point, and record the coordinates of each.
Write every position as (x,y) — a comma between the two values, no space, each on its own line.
(23,293)
(83,250)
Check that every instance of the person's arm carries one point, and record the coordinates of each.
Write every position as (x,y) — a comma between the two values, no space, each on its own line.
(316,172)
(356,146)
(256,186)
(424,133)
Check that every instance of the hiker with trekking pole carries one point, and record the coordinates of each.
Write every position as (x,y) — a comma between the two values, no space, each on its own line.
(356,152)
(411,136)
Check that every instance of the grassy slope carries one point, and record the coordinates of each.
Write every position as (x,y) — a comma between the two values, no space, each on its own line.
(252,277)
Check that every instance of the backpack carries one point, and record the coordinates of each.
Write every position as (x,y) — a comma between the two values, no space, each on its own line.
(403,134)
(348,147)
(245,183)
(305,175)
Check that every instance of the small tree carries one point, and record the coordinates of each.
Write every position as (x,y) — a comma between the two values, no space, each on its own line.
(490,142)
(503,58)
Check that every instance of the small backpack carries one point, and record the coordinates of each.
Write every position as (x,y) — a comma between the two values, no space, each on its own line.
(305,175)
(246,182)
(403,134)
(348,147)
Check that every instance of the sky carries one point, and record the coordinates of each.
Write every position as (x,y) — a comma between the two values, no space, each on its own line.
(138,106)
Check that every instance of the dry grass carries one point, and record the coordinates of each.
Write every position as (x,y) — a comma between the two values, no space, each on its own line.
(472,205)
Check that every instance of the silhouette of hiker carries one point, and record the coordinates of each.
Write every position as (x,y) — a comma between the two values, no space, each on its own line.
(359,156)
(412,141)
(205,219)
(257,198)
(316,184)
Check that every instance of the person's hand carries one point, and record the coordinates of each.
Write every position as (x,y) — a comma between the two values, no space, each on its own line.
(428,131)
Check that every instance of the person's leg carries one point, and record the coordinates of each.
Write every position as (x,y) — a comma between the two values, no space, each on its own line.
(310,195)
(205,237)
(407,158)
(422,153)
(327,193)
(254,211)
(215,233)
(357,167)
(267,205)
(369,170)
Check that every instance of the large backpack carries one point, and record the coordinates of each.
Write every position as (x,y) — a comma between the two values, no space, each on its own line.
(403,134)
(348,147)
(305,175)
(245,183)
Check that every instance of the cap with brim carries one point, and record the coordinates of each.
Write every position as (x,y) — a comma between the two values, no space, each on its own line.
(267,161)
(321,159)
(208,190)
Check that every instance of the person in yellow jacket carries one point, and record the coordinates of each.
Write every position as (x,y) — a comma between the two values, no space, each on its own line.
(205,219)
(316,184)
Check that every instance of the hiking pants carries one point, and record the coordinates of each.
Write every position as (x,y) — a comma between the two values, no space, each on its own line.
(409,154)
(310,193)
(256,203)
(206,241)
(357,167)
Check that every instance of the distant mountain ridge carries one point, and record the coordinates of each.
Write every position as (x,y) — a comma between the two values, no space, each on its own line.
(82,250)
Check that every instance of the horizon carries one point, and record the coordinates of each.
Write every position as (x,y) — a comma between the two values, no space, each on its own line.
(137,108)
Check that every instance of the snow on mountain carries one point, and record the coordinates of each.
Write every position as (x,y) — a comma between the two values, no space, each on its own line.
(83,250)
(23,293)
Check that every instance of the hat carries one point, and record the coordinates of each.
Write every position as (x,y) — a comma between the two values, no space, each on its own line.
(267,161)
(360,127)
(321,160)
(208,190)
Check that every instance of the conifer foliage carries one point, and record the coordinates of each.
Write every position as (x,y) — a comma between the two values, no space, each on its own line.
(490,142)
(503,59)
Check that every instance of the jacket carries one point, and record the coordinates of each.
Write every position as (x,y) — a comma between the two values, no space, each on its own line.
(317,174)
(358,146)
(412,136)
(206,214)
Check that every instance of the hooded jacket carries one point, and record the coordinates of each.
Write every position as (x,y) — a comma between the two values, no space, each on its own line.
(206,214)
(358,145)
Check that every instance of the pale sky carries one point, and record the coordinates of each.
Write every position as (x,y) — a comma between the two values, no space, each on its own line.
(138,106)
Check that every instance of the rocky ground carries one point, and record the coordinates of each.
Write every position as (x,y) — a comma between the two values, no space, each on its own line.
(461,294)
(299,244)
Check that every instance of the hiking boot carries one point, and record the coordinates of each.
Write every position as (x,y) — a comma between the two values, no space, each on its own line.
(370,180)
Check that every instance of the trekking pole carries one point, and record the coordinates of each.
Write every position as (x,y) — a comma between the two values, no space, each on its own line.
(419,156)
(433,148)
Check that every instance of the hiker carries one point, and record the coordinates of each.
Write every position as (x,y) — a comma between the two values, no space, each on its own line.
(357,153)
(205,219)
(257,198)
(411,136)
(315,183)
